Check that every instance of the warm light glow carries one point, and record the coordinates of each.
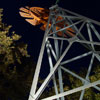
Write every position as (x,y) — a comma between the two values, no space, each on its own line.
(37,15)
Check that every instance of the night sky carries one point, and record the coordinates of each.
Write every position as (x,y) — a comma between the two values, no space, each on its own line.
(33,35)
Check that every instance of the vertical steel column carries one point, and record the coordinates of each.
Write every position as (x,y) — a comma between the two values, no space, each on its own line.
(95,31)
(87,76)
(52,51)
(57,50)
(90,36)
(51,67)
(37,71)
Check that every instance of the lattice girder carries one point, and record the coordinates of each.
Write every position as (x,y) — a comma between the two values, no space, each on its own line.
(81,31)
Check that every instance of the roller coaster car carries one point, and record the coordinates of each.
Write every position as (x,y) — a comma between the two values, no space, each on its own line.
(37,15)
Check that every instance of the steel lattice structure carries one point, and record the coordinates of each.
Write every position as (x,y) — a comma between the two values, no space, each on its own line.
(57,50)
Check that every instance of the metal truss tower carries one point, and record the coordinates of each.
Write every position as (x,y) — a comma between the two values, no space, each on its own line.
(58,46)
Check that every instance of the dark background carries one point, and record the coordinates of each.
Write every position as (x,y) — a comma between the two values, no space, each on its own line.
(33,35)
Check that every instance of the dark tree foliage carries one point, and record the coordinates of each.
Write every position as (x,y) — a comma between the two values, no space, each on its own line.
(16,66)
(17,69)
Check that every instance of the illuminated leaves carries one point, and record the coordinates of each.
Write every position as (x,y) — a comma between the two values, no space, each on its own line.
(15,37)
(16,66)
(11,50)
